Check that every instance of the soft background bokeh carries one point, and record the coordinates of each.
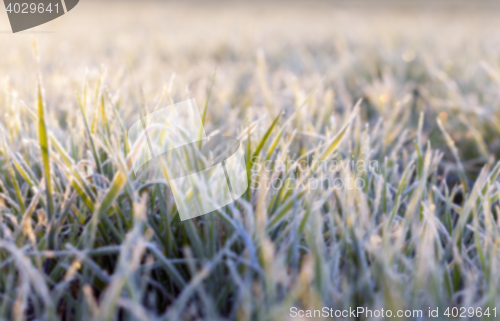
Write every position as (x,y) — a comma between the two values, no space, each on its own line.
(143,45)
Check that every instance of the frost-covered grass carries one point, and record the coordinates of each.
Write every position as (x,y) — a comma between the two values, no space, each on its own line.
(81,239)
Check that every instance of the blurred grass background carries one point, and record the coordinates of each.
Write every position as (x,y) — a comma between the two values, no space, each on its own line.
(91,242)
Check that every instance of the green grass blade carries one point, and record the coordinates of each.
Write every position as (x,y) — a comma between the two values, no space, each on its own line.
(45,150)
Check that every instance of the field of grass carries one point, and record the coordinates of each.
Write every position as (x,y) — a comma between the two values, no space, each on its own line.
(404,100)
